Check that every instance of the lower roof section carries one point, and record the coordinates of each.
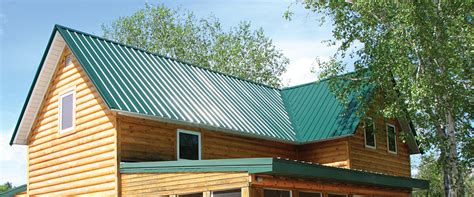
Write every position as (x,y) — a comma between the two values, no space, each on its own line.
(275,166)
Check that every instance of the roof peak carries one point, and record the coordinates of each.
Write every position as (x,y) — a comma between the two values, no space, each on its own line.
(164,56)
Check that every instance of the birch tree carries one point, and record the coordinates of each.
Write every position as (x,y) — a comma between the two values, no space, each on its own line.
(419,56)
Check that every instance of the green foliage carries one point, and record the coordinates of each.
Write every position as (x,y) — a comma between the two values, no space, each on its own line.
(6,186)
(419,57)
(430,168)
(177,33)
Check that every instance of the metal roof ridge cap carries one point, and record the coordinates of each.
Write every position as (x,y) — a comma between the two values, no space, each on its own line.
(166,57)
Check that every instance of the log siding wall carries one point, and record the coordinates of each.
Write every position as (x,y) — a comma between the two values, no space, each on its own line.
(379,159)
(79,162)
(153,184)
(148,140)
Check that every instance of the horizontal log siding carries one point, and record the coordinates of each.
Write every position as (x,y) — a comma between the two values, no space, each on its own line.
(332,153)
(379,159)
(79,162)
(147,140)
(153,184)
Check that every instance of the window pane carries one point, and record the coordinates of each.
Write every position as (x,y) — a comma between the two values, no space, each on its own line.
(67,110)
(369,132)
(276,193)
(228,193)
(309,194)
(392,140)
(188,146)
(192,195)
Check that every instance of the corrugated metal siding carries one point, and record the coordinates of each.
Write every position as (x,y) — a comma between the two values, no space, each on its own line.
(136,81)
(316,113)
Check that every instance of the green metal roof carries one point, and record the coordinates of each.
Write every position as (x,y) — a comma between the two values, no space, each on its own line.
(138,82)
(317,114)
(13,191)
(275,166)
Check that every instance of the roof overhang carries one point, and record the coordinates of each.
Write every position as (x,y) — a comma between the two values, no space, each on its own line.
(413,147)
(275,166)
(38,89)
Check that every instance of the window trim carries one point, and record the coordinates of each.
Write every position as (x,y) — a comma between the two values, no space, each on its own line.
(365,134)
(388,145)
(191,133)
(269,188)
(67,92)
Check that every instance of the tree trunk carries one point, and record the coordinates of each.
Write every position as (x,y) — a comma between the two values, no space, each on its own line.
(451,176)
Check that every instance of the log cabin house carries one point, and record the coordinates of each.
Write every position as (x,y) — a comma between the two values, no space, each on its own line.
(107,119)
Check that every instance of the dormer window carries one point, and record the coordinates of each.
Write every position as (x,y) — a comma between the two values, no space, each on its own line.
(189,145)
(391,139)
(67,111)
(369,133)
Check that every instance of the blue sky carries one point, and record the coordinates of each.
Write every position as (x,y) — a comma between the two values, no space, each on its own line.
(25,27)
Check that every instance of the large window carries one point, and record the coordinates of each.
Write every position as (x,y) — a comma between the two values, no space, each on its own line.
(391,138)
(67,110)
(369,132)
(227,193)
(189,145)
(310,194)
(276,193)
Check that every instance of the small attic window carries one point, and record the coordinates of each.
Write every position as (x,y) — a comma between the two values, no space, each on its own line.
(68,60)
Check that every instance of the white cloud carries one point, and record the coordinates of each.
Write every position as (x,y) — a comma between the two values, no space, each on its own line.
(303,66)
(12,161)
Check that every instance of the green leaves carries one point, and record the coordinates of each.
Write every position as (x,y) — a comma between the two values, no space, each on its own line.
(239,51)
(419,55)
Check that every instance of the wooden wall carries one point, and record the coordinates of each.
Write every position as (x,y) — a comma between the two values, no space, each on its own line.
(83,161)
(332,153)
(324,187)
(153,184)
(379,159)
(148,140)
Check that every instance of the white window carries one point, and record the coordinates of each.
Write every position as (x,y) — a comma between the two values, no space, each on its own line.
(391,138)
(67,111)
(369,133)
(189,145)
(276,193)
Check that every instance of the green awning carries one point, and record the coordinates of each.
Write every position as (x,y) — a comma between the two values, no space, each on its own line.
(275,166)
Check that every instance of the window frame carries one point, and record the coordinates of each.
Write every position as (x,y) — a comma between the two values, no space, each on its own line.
(70,91)
(365,134)
(190,133)
(269,188)
(388,145)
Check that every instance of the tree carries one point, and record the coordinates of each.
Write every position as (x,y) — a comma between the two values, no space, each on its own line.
(240,51)
(6,186)
(418,57)
(430,169)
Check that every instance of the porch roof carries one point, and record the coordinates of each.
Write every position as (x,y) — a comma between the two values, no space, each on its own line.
(275,166)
